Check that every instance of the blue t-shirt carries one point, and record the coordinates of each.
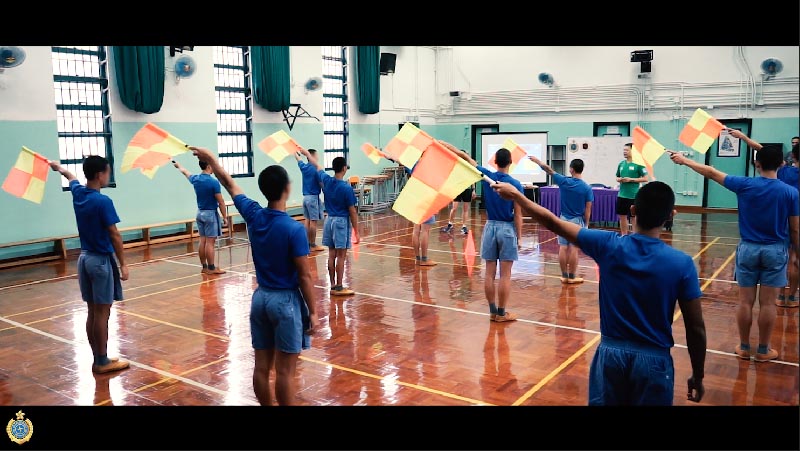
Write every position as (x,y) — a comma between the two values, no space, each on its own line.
(789,175)
(339,195)
(206,188)
(310,179)
(276,240)
(641,278)
(574,195)
(497,208)
(94,213)
(764,208)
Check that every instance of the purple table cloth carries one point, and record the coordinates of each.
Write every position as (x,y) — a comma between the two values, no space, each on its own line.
(604,207)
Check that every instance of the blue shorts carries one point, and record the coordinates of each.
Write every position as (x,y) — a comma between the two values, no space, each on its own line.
(208,223)
(98,278)
(336,232)
(430,220)
(499,241)
(279,319)
(312,207)
(630,374)
(763,264)
(576,220)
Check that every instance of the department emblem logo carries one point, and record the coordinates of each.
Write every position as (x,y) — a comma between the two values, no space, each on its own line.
(19,430)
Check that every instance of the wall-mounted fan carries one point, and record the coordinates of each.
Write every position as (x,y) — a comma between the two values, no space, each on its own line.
(11,56)
(771,67)
(546,79)
(184,67)
(313,84)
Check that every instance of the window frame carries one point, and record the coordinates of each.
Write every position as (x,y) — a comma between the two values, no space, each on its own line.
(248,110)
(345,114)
(104,107)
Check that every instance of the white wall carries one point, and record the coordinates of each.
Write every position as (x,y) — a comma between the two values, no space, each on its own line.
(26,91)
(305,63)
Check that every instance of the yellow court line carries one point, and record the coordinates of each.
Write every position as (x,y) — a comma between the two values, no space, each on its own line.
(708,282)
(398,382)
(705,248)
(165,379)
(38,321)
(556,371)
(586,347)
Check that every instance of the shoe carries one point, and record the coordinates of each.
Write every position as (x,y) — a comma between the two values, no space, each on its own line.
(447,229)
(575,280)
(792,304)
(744,355)
(781,301)
(204,271)
(427,263)
(343,292)
(316,248)
(492,316)
(464,230)
(215,271)
(110,367)
(770,355)
(564,280)
(505,318)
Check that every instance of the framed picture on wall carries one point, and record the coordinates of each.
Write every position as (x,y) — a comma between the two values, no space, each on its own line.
(728,145)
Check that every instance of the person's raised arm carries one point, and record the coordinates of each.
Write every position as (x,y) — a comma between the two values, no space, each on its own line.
(222,175)
(183,170)
(311,158)
(307,290)
(702,169)
(116,241)
(551,222)
(696,345)
(542,165)
(56,166)
(750,142)
(459,152)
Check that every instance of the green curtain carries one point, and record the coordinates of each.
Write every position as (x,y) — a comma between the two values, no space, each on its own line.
(270,76)
(140,76)
(368,78)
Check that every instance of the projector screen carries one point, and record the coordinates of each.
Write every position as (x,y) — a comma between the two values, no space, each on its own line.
(534,144)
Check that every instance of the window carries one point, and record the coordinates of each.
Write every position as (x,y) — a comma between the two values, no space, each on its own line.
(334,97)
(234,117)
(84,122)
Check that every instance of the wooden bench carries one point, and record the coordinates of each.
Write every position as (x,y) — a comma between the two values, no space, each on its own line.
(59,251)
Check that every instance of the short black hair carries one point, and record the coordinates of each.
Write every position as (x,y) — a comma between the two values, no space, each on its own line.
(795,150)
(770,158)
(273,181)
(577,165)
(629,145)
(502,158)
(93,165)
(339,164)
(654,204)
(312,151)
(203,165)
(795,137)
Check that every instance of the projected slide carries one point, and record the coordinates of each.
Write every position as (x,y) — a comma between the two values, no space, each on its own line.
(534,144)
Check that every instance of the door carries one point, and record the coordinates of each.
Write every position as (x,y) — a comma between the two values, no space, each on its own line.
(715,195)
(477,145)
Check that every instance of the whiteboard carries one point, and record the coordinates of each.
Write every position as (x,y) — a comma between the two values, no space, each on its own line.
(601,157)
(534,143)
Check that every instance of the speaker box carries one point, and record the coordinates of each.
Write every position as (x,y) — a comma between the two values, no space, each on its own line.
(388,61)
(646,66)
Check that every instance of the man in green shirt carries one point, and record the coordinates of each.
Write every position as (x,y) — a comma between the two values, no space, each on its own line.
(629,176)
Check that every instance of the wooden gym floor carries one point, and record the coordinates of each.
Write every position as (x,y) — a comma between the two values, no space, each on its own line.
(409,336)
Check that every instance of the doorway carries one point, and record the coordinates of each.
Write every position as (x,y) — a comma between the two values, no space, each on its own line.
(714,194)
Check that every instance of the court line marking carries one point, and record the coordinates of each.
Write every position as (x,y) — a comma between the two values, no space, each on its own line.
(333,365)
(705,248)
(575,355)
(132,363)
(708,282)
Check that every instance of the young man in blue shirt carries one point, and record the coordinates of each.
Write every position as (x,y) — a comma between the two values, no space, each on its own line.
(340,201)
(209,227)
(768,220)
(283,311)
(641,277)
(98,274)
(576,207)
(312,205)
(501,234)
(789,174)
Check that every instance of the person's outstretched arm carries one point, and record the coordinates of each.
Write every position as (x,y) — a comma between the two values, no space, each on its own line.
(459,152)
(183,170)
(222,175)
(311,158)
(542,165)
(543,216)
(750,142)
(696,345)
(702,169)
(56,166)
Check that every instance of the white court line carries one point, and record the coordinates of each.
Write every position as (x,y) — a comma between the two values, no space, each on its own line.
(133,363)
(522,320)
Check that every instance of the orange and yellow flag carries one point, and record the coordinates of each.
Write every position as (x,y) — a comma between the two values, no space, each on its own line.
(27,178)
(701,131)
(372,152)
(150,148)
(438,177)
(518,157)
(279,145)
(646,150)
(408,145)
